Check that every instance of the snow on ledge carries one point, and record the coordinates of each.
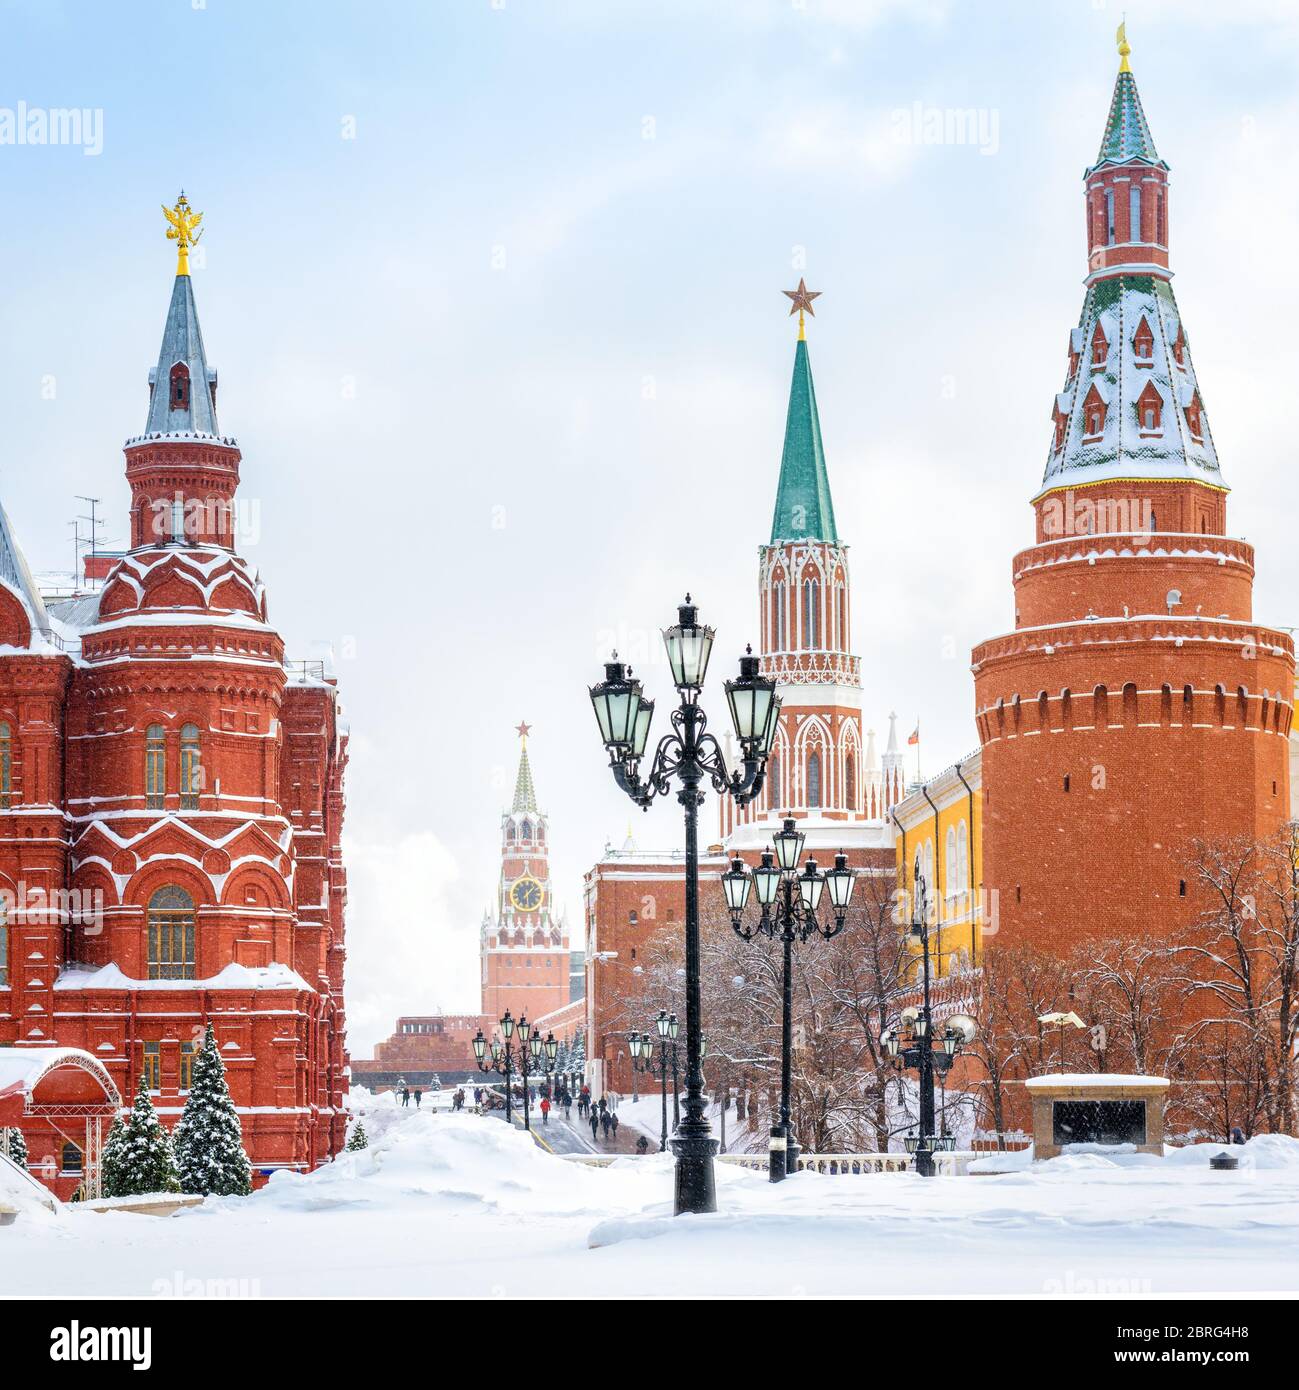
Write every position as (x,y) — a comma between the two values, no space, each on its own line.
(234,976)
(1093,1078)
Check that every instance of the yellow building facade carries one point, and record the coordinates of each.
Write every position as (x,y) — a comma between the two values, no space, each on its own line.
(941,821)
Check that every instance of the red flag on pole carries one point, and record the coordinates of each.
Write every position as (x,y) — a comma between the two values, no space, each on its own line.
(915,737)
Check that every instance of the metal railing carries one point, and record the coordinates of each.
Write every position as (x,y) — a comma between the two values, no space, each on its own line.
(828,1165)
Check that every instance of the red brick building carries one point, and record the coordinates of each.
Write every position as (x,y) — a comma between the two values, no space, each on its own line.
(421,1048)
(171,800)
(632,896)
(1137,704)
(524,944)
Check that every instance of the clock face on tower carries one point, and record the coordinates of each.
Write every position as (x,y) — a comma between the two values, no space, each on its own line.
(526,894)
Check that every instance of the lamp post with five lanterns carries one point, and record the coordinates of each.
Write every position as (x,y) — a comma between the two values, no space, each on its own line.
(920,1050)
(692,756)
(788,902)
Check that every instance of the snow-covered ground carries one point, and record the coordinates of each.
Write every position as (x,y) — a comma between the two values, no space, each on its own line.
(463,1206)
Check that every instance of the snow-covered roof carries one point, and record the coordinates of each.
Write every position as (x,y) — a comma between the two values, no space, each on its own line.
(27,1067)
(234,976)
(1098,1079)
(14,571)
(1125,448)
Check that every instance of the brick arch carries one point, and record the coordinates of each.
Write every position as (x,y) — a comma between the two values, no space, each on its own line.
(161,874)
(15,624)
(93,876)
(814,737)
(850,769)
(263,877)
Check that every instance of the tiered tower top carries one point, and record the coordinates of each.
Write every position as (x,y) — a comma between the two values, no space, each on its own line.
(1130,410)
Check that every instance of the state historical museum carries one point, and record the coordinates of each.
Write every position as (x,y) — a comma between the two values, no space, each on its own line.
(171,801)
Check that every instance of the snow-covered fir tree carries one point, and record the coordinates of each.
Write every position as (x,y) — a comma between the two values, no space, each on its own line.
(17,1147)
(577,1054)
(209,1142)
(141,1156)
(358,1139)
(110,1159)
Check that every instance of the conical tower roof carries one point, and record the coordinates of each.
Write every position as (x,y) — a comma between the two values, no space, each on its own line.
(1131,407)
(804,508)
(525,794)
(1127,134)
(182,342)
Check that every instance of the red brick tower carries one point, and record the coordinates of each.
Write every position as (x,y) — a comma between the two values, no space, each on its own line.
(1136,705)
(174,790)
(820,771)
(525,950)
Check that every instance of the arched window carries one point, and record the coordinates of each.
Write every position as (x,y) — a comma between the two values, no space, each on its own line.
(525,831)
(1134,214)
(779,598)
(814,779)
(70,1157)
(6,767)
(811,613)
(155,768)
(191,768)
(4,948)
(180,387)
(1109,217)
(850,781)
(953,883)
(171,934)
(929,870)
(841,615)
(773,782)
(963,857)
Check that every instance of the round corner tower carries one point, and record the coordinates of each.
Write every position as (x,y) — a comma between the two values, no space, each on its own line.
(1136,706)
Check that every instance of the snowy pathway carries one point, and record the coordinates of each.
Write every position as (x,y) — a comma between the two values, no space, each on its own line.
(463,1206)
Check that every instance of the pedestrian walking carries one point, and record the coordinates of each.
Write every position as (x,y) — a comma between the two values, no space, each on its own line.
(419,1095)
(405,1097)
(642,1146)
(613,1122)
(545,1110)
(605,1121)
(595,1124)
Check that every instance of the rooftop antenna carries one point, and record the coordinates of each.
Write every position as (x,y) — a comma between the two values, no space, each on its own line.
(93,519)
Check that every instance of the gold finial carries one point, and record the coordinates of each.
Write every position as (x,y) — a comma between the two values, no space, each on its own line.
(183,230)
(1121,38)
(802,299)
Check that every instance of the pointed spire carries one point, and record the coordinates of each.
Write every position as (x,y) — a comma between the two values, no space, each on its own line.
(1127,136)
(804,509)
(183,395)
(872,758)
(892,746)
(525,794)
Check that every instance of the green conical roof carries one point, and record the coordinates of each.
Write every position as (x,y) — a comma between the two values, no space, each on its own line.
(525,794)
(804,509)
(1127,136)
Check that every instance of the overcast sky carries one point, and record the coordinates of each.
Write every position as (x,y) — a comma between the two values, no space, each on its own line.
(494,291)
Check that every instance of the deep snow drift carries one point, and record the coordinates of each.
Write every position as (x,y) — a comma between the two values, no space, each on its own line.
(462,1206)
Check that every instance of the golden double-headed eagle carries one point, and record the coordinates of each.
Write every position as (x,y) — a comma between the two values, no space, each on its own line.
(183,230)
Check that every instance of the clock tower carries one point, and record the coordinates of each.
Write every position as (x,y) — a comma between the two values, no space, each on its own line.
(524,942)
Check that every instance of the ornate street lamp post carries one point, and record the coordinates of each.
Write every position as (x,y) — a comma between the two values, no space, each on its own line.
(920,1049)
(642,1061)
(692,756)
(500,1059)
(787,902)
(669,1028)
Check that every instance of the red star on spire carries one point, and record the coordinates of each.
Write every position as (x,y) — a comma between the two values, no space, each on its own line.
(523,730)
